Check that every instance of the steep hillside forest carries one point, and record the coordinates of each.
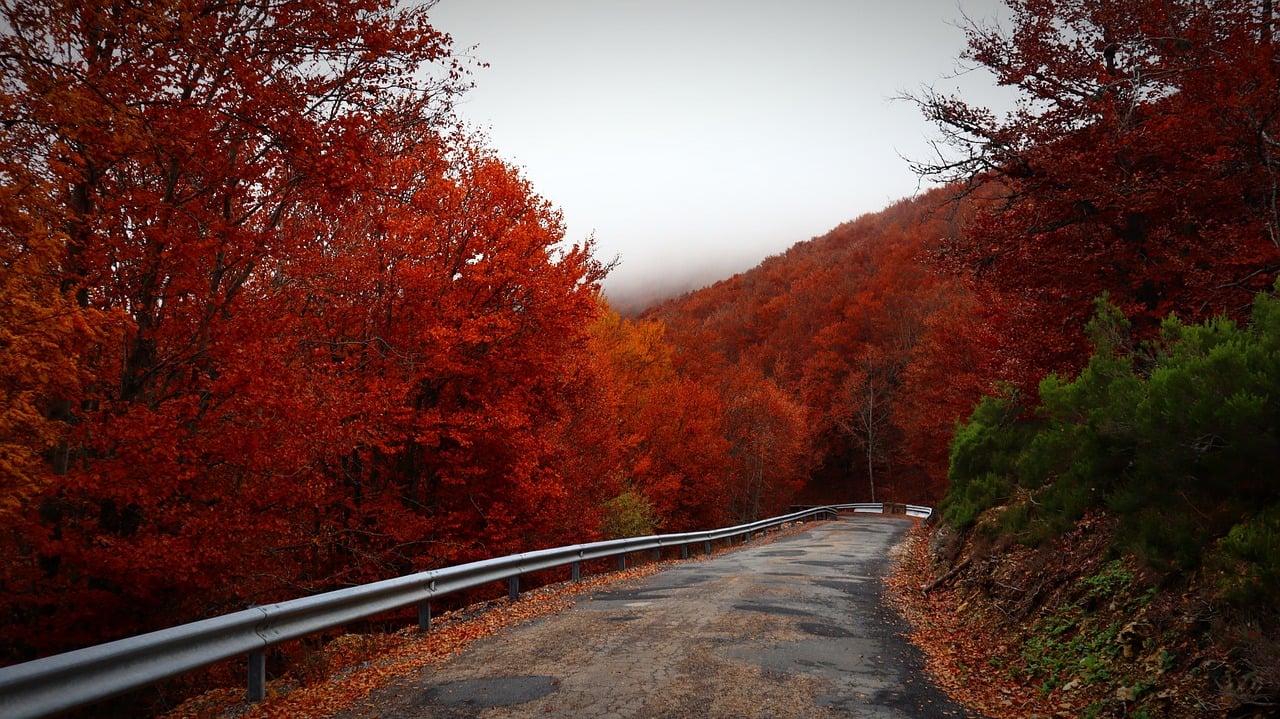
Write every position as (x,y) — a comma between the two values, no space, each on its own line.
(275,322)
(881,346)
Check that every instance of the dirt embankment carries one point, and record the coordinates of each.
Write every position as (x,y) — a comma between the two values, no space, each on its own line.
(1068,629)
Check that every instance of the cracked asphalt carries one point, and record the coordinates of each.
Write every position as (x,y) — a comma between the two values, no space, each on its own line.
(790,628)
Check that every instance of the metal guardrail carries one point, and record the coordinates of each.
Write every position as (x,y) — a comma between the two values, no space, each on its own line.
(46,686)
(911,510)
(919,512)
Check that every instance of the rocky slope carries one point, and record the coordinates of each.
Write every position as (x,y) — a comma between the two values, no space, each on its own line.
(1069,629)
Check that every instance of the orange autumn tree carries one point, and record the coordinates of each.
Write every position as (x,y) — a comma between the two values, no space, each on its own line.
(43,334)
(674,454)
(287,333)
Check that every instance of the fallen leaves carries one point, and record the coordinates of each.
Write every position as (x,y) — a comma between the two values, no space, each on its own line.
(1010,653)
(963,657)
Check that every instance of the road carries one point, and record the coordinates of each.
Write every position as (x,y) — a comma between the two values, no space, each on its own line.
(790,628)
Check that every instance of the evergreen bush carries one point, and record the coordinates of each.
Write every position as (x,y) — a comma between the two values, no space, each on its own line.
(1178,437)
(1248,560)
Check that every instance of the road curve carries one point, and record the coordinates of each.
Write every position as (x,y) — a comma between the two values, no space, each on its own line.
(789,628)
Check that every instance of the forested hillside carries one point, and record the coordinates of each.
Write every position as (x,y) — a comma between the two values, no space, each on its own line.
(881,347)
(1103,265)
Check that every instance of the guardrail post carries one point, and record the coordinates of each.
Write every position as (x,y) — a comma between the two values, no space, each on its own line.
(707,546)
(577,571)
(513,588)
(424,615)
(257,676)
(684,551)
(622,561)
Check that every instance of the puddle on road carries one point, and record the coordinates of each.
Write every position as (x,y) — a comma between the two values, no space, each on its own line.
(494,692)
(822,563)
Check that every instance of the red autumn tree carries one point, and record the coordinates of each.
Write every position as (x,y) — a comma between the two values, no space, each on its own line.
(950,368)
(1140,161)
(287,333)
(770,450)
(448,323)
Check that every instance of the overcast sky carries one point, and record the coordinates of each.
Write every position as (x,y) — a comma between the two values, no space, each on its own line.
(704,135)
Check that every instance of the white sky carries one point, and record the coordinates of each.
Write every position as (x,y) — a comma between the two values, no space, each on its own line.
(697,137)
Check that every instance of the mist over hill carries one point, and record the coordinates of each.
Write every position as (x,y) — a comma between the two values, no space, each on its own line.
(631,293)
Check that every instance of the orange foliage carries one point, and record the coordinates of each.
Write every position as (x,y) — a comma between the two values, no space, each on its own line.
(668,423)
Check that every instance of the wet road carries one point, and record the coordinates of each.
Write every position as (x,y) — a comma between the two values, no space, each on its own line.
(790,628)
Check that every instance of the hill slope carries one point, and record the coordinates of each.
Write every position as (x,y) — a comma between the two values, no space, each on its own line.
(863,327)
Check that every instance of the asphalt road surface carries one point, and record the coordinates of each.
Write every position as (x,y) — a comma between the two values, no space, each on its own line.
(789,628)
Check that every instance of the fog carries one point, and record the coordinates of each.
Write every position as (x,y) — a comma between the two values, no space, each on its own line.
(692,140)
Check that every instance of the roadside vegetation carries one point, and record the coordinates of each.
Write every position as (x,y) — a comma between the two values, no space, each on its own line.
(1177,437)
(1109,543)
(1121,534)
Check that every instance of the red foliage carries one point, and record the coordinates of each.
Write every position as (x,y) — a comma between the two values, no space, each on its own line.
(289,333)
(271,326)
(1141,163)
(855,330)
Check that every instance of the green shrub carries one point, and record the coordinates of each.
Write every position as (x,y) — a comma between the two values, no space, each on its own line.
(1179,445)
(992,438)
(1015,520)
(961,507)
(629,514)
(984,457)
(1164,530)
(1248,560)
